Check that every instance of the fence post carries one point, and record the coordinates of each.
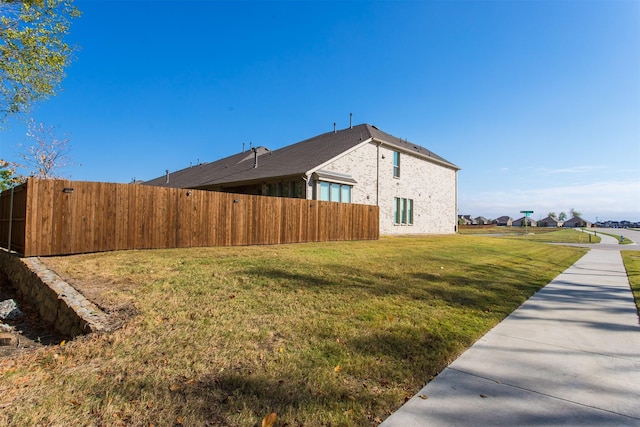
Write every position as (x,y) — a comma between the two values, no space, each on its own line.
(10,220)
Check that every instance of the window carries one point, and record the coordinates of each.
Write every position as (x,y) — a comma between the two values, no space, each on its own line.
(345,194)
(325,191)
(286,189)
(402,211)
(298,190)
(334,192)
(396,164)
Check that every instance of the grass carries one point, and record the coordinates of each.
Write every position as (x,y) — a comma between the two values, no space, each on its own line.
(632,264)
(562,236)
(541,234)
(325,334)
(618,237)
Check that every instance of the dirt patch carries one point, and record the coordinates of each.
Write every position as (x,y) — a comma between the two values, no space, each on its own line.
(29,331)
(101,292)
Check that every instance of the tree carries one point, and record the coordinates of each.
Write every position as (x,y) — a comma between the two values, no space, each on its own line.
(7,175)
(33,53)
(552,215)
(574,213)
(47,154)
(562,216)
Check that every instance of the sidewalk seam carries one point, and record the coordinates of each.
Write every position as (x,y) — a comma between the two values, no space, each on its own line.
(542,394)
(570,348)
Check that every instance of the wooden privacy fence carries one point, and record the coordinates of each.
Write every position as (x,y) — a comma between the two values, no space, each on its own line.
(59,217)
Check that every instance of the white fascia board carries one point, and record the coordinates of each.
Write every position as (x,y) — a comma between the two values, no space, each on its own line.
(416,154)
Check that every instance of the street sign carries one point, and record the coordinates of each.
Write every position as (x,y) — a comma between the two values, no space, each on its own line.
(526,213)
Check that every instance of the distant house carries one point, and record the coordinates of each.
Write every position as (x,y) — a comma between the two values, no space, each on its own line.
(481,220)
(576,221)
(415,189)
(520,222)
(548,222)
(466,220)
(505,221)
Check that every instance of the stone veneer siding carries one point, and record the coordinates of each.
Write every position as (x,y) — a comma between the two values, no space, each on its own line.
(432,187)
(57,302)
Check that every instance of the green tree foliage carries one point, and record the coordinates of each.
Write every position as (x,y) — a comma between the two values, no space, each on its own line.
(562,216)
(574,213)
(553,215)
(7,175)
(33,52)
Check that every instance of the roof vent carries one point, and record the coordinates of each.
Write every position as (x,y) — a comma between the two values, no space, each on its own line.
(255,158)
(334,127)
(350,120)
(166,181)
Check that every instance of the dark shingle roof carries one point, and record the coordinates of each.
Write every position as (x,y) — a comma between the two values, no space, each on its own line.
(295,159)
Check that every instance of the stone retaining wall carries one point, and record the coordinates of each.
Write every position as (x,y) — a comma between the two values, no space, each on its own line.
(58,303)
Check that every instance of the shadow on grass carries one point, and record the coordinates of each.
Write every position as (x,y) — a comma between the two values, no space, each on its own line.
(483,288)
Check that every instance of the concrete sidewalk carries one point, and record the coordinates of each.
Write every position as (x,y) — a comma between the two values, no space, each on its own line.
(570,355)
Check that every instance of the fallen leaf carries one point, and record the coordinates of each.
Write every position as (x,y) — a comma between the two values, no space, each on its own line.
(423,396)
(337,369)
(63,343)
(281,349)
(484,396)
(390,318)
(269,420)
(174,387)
(179,420)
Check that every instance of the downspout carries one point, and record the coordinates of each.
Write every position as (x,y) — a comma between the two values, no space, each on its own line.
(455,227)
(305,178)
(378,174)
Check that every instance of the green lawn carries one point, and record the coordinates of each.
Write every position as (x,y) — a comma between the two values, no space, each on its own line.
(322,334)
(540,234)
(619,237)
(632,264)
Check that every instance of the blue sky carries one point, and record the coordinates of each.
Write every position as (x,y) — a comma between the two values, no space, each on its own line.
(537,101)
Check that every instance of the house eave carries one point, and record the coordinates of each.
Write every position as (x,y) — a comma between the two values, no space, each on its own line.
(214,185)
(417,153)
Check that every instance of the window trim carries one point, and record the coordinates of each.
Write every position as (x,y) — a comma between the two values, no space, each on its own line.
(396,164)
(403,211)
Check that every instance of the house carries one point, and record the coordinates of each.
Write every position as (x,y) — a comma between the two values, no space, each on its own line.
(548,222)
(481,220)
(465,220)
(415,189)
(520,222)
(505,221)
(576,221)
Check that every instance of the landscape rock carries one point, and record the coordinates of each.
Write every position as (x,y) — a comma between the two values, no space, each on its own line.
(5,328)
(9,310)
